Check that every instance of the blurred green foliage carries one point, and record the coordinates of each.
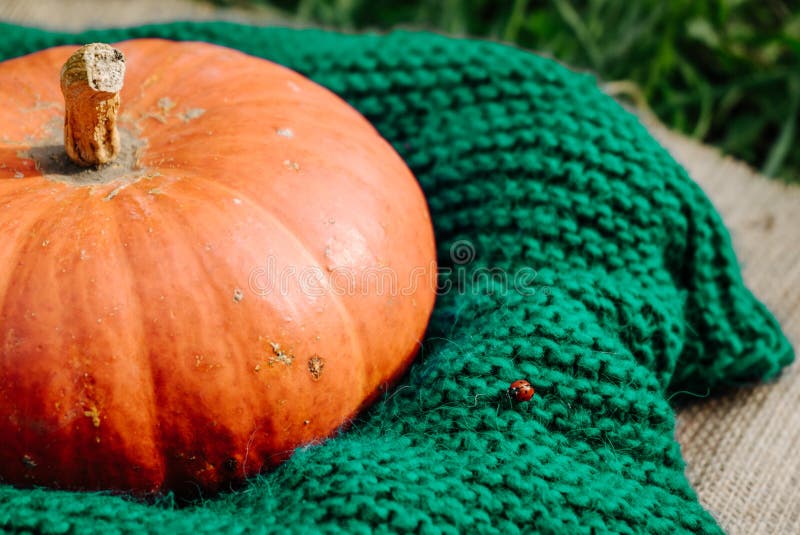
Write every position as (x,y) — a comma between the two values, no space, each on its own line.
(724,71)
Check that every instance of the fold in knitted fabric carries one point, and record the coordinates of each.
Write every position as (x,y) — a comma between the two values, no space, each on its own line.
(621,287)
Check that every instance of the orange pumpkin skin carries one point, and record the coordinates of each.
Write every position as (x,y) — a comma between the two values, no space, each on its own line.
(146,342)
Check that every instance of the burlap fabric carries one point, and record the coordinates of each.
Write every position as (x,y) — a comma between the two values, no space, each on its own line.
(741,448)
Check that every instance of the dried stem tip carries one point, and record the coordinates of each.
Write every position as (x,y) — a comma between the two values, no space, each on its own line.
(91,80)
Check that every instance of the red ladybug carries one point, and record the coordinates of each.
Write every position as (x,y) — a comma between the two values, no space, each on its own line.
(521,390)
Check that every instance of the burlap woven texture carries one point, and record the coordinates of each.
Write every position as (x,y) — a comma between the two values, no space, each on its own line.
(738,447)
(741,449)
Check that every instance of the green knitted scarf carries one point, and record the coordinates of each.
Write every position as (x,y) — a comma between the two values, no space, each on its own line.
(617,288)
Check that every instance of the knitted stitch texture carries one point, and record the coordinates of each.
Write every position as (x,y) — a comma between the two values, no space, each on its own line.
(626,290)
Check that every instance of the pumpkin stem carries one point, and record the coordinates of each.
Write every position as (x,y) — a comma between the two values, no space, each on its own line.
(90,80)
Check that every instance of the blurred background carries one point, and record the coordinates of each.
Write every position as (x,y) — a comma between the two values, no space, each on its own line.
(725,72)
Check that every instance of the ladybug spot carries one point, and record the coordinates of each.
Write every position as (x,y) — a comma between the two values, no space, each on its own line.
(230,464)
(521,390)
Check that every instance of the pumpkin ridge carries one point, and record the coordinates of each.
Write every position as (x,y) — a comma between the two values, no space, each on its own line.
(344,312)
(257,142)
(174,472)
(20,244)
(145,362)
(146,58)
(81,399)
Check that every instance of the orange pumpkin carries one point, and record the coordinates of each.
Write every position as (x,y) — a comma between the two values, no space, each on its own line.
(252,269)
